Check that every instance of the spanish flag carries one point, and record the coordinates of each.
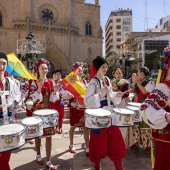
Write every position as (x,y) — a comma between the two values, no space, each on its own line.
(75,85)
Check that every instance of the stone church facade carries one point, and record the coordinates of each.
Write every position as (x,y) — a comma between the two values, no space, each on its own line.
(70,29)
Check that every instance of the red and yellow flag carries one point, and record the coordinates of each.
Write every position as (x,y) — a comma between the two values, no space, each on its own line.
(75,85)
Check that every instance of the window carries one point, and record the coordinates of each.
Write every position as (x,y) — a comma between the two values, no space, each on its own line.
(118,21)
(118,46)
(118,39)
(0,19)
(126,21)
(88,28)
(118,34)
(47,15)
(118,27)
(111,21)
(166,24)
(126,28)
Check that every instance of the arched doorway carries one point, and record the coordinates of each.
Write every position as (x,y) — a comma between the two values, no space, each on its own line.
(57,61)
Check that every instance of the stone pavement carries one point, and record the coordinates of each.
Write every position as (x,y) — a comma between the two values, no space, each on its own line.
(24,157)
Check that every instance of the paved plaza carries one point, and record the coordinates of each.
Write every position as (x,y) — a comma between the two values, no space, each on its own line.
(24,157)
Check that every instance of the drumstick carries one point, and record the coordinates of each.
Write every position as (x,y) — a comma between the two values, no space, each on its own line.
(23,97)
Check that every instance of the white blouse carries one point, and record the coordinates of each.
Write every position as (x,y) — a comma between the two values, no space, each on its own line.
(152,110)
(34,95)
(92,97)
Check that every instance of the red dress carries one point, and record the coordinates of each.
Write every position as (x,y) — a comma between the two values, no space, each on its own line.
(76,116)
(46,91)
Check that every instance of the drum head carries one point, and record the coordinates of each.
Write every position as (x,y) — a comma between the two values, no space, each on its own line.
(123,111)
(133,108)
(31,121)
(11,129)
(45,112)
(135,104)
(98,112)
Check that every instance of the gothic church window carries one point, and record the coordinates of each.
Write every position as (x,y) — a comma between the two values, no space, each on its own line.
(47,15)
(88,29)
(0,19)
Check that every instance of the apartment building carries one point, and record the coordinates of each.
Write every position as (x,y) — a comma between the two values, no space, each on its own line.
(162,26)
(118,25)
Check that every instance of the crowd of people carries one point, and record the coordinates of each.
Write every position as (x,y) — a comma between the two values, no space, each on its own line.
(49,93)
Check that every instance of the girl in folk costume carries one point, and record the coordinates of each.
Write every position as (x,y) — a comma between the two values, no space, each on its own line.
(122,85)
(155,111)
(109,141)
(5,85)
(43,92)
(142,86)
(63,93)
(77,115)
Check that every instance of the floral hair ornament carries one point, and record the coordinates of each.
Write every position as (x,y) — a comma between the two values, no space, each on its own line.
(42,61)
(165,63)
(77,65)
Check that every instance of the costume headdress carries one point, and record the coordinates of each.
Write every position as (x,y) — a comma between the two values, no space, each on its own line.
(97,63)
(76,65)
(42,61)
(165,64)
(3,55)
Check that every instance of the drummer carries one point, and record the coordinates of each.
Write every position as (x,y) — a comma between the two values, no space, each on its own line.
(5,85)
(43,92)
(120,84)
(155,112)
(77,116)
(109,141)
(142,85)
(59,105)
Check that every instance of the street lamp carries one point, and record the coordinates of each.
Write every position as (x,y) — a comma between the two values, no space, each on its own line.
(30,48)
(127,60)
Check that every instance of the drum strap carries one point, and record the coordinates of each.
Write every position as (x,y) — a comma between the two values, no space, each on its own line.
(106,80)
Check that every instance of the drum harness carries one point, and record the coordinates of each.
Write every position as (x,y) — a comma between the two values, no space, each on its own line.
(106,82)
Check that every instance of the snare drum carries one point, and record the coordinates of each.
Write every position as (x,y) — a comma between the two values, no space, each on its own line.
(135,104)
(122,117)
(34,127)
(50,120)
(12,136)
(137,117)
(97,118)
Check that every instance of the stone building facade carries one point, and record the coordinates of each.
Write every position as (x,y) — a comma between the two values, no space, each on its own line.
(70,28)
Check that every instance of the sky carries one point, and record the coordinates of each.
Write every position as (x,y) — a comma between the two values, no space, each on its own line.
(144,16)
